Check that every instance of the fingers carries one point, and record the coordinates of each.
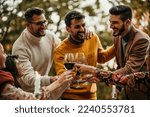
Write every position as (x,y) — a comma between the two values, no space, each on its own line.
(93,80)
(139,74)
(87,77)
(68,75)
(77,65)
(84,68)
(123,80)
(90,78)
(88,34)
(116,77)
(120,79)
(67,72)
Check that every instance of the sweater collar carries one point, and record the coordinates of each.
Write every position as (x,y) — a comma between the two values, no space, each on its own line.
(75,41)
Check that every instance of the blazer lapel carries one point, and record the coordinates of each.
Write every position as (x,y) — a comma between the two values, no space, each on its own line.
(119,52)
(129,44)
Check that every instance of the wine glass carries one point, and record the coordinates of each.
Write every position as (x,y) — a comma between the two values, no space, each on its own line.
(81,59)
(69,62)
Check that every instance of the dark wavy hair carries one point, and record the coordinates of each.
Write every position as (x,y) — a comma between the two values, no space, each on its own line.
(33,11)
(124,11)
(12,68)
(73,15)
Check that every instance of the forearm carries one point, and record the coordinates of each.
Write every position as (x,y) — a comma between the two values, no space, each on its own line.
(54,91)
(106,55)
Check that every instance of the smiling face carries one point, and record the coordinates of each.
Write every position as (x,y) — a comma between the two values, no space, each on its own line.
(77,29)
(38,25)
(2,57)
(118,26)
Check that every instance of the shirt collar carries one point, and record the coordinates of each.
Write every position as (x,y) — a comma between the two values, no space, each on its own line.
(127,37)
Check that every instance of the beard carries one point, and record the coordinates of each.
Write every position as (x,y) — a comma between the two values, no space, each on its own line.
(78,38)
(40,33)
(117,32)
(81,35)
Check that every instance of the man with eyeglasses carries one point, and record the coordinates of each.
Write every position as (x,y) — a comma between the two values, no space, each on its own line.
(35,48)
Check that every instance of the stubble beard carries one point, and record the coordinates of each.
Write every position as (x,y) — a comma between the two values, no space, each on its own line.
(120,31)
(40,34)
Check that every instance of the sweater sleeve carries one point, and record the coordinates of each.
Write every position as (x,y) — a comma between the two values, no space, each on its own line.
(105,55)
(29,74)
(58,59)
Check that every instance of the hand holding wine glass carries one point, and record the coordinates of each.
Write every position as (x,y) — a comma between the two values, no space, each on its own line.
(69,61)
(81,59)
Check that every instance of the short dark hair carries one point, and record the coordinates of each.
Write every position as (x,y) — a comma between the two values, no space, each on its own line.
(73,15)
(124,11)
(33,11)
(12,68)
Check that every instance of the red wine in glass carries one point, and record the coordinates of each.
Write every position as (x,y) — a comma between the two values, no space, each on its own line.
(69,62)
(69,65)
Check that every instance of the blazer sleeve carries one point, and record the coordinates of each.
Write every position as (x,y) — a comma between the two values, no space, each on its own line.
(105,55)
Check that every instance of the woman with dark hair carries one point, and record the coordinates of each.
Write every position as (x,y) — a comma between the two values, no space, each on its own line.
(13,66)
(11,70)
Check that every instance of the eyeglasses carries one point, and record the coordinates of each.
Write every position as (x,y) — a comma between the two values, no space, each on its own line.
(40,23)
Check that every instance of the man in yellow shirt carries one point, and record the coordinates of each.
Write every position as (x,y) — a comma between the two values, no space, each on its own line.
(76,42)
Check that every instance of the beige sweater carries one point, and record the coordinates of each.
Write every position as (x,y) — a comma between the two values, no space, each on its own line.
(35,54)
